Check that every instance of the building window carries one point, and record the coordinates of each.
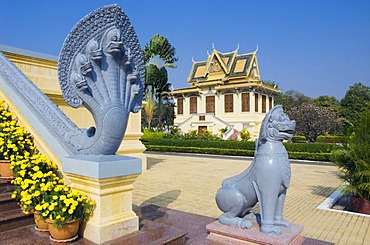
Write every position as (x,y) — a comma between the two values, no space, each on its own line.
(202,118)
(263,103)
(229,102)
(245,102)
(256,102)
(210,104)
(193,105)
(180,106)
(270,103)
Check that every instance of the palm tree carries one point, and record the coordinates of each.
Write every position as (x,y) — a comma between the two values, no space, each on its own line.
(158,49)
(160,46)
(149,107)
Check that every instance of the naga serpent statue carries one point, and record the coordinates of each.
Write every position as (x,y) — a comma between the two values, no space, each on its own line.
(101,67)
(265,181)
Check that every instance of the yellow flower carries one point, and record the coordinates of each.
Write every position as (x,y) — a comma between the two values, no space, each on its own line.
(55,197)
(51,207)
(70,211)
(36,168)
(38,207)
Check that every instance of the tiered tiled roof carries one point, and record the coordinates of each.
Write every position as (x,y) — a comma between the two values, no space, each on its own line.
(225,71)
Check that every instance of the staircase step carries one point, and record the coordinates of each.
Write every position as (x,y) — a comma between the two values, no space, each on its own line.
(6,186)
(13,219)
(7,202)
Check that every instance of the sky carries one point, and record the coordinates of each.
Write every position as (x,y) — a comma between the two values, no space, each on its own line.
(315,47)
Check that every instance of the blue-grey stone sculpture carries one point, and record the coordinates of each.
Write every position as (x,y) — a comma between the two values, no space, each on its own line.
(265,181)
(101,67)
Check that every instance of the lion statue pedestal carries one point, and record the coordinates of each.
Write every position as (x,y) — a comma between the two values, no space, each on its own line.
(265,181)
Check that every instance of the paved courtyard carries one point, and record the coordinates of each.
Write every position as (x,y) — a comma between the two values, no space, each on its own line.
(188,182)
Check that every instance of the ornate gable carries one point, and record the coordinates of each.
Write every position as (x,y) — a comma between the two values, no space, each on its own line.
(215,64)
(198,71)
(224,66)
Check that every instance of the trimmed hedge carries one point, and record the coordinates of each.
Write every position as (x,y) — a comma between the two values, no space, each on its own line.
(309,147)
(332,139)
(242,145)
(206,150)
(149,135)
(235,152)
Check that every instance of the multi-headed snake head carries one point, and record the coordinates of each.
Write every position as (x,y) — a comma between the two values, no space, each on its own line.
(93,51)
(83,64)
(112,42)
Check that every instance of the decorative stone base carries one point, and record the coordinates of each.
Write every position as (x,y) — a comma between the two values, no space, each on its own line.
(108,180)
(100,233)
(231,235)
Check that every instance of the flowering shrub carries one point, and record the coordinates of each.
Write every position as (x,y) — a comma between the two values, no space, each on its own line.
(14,139)
(38,188)
(312,120)
(33,178)
(62,204)
(245,135)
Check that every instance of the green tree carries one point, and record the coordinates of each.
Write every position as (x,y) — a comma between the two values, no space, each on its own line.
(326,101)
(160,46)
(168,113)
(291,99)
(312,120)
(156,50)
(149,108)
(354,159)
(356,100)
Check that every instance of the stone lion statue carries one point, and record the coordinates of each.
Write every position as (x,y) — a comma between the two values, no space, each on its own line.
(265,181)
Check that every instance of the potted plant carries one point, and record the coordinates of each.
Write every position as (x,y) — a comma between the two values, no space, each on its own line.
(63,209)
(33,178)
(14,141)
(353,161)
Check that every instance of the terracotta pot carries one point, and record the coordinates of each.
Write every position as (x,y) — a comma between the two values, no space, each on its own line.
(41,225)
(360,205)
(66,232)
(5,171)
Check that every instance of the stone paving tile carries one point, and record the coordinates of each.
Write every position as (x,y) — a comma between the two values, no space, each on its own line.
(189,183)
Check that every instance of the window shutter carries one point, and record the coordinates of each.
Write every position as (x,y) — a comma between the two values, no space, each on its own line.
(229,101)
(193,105)
(263,103)
(245,102)
(210,104)
(180,106)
